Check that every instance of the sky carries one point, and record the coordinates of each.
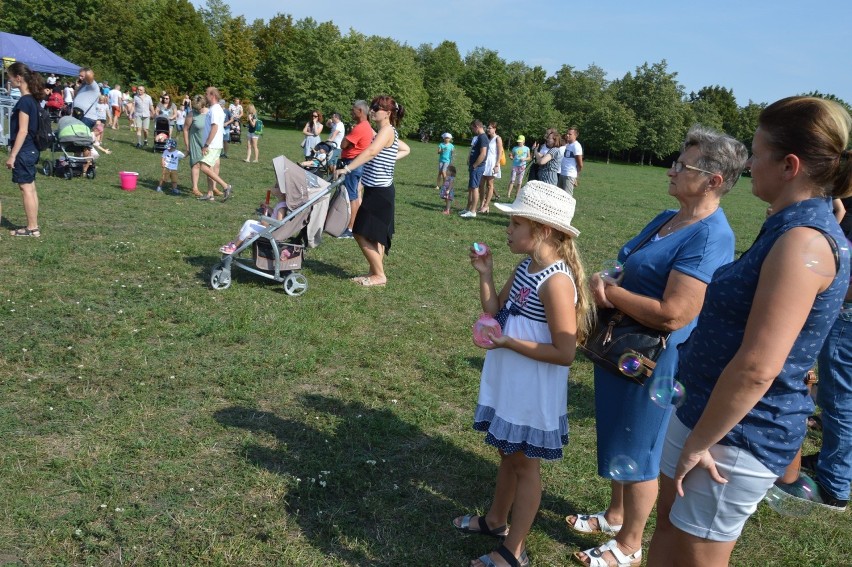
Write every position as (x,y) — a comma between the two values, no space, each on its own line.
(762,49)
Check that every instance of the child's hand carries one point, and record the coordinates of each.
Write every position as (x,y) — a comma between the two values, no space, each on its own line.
(483,264)
(496,342)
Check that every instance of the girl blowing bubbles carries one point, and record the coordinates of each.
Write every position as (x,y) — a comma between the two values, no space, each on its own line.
(523,392)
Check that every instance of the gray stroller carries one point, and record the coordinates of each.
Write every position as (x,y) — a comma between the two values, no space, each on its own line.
(278,250)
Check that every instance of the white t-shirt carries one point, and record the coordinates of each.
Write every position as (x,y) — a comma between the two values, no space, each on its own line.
(337,132)
(68,95)
(569,160)
(115,97)
(215,116)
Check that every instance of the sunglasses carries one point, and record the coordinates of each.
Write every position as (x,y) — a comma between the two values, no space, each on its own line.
(314,116)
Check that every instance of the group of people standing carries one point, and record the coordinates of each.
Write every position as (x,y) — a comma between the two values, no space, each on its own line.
(743,335)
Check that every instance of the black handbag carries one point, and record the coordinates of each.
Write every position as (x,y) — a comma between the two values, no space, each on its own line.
(623,346)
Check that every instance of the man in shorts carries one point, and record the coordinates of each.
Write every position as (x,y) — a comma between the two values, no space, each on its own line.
(214,125)
(353,144)
(143,109)
(476,167)
(335,136)
(86,96)
(115,103)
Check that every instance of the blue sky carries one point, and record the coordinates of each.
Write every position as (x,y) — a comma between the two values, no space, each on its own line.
(763,50)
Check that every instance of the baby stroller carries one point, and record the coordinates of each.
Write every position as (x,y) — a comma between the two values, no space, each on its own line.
(55,105)
(278,250)
(236,130)
(323,154)
(74,141)
(161,133)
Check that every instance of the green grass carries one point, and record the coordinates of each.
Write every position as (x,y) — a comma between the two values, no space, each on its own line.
(149,420)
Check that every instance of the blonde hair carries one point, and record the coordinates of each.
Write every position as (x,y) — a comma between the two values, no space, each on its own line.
(566,249)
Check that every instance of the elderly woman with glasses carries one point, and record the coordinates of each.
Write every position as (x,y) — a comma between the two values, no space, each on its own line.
(666,269)
(312,131)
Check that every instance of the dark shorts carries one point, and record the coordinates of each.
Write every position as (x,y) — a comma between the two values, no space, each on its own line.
(475,177)
(351,180)
(24,170)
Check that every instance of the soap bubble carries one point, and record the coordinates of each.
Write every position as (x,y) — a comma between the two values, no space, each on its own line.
(630,364)
(665,391)
(623,468)
(814,257)
(612,271)
(799,498)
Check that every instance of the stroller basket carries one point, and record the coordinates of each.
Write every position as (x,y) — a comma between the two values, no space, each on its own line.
(290,256)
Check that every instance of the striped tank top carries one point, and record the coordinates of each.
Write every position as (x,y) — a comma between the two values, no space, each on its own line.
(523,297)
(378,172)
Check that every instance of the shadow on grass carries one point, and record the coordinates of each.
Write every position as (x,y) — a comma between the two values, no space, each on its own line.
(373,489)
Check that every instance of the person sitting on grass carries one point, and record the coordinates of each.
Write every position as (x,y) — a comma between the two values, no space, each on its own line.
(252,226)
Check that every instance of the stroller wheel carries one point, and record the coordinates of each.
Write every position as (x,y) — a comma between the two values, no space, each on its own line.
(47,167)
(220,277)
(90,174)
(68,174)
(295,284)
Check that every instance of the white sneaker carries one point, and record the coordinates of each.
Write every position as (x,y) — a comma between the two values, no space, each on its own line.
(468,215)
(462,212)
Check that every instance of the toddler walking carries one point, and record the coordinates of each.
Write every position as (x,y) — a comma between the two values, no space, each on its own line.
(523,391)
(171,158)
(448,193)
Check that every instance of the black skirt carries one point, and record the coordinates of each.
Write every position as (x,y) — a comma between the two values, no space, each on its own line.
(374,220)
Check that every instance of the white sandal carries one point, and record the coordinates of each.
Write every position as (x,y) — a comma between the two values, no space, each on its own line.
(582,524)
(595,556)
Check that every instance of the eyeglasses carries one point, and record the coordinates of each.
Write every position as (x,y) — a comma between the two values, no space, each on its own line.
(376,108)
(679,166)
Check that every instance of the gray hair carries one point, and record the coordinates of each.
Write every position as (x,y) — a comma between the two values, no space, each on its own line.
(718,153)
(362,104)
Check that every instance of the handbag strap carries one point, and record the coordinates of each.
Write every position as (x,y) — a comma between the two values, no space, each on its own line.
(648,237)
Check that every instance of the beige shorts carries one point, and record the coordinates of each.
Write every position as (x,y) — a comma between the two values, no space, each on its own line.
(143,123)
(212,156)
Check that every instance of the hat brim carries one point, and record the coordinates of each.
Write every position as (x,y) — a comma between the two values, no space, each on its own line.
(527,213)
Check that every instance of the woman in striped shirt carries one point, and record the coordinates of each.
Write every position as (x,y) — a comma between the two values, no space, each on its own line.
(373,227)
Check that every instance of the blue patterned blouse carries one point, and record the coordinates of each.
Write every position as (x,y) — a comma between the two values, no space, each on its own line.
(774,429)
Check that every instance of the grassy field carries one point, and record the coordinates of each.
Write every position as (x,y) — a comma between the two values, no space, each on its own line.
(148,420)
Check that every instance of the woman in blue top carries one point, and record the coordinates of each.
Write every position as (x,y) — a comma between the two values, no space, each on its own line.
(761,327)
(666,270)
(23,155)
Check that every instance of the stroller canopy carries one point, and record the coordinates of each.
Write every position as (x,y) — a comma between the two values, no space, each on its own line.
(73,131)
(297,184)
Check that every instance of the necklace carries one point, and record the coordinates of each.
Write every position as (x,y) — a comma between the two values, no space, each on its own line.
(670,226)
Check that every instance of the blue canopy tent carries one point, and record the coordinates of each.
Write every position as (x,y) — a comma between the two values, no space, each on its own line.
(35,55)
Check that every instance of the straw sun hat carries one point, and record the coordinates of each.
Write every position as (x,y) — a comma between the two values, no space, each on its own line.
(544,203)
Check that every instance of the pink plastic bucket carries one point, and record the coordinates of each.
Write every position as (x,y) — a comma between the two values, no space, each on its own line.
(128,180)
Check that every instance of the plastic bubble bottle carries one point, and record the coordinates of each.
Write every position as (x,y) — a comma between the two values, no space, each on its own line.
(485,325)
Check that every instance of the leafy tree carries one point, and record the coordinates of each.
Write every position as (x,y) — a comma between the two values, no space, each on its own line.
(722,100)
(169,68)
(444,63)
(240,57)
(703,112)
(485,80)
(656,99)
(216,14)
(448,109)
(577,93)
(831,97)
(747,122)
(47,22)
(527,105)
(273,42)
(611,126)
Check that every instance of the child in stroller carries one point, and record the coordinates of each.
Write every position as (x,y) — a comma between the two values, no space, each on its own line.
(79,150)
(252,227)
(320,163)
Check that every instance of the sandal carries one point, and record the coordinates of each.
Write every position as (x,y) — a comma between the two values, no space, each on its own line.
(370,282)
(228,248)
(24,231)
(595,556)
(464,527)
(511,560)
(582,525)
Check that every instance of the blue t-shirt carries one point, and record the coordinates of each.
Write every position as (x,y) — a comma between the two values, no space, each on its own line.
(774,429)
(446,152)
(519,154)
(696,250)
(476,145)
(29,105)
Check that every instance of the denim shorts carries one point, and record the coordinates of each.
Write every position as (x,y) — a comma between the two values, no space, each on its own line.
(24,170)
(475,177)
(708,509)
(351,180)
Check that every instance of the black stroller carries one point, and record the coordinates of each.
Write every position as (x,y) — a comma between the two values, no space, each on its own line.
(74,142)
(236,131)
(161,133)
(324,157)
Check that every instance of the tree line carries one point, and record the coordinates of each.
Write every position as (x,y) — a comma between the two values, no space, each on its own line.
(290,67)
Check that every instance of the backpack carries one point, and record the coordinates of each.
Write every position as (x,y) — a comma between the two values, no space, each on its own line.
(44,133)
(258,126)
